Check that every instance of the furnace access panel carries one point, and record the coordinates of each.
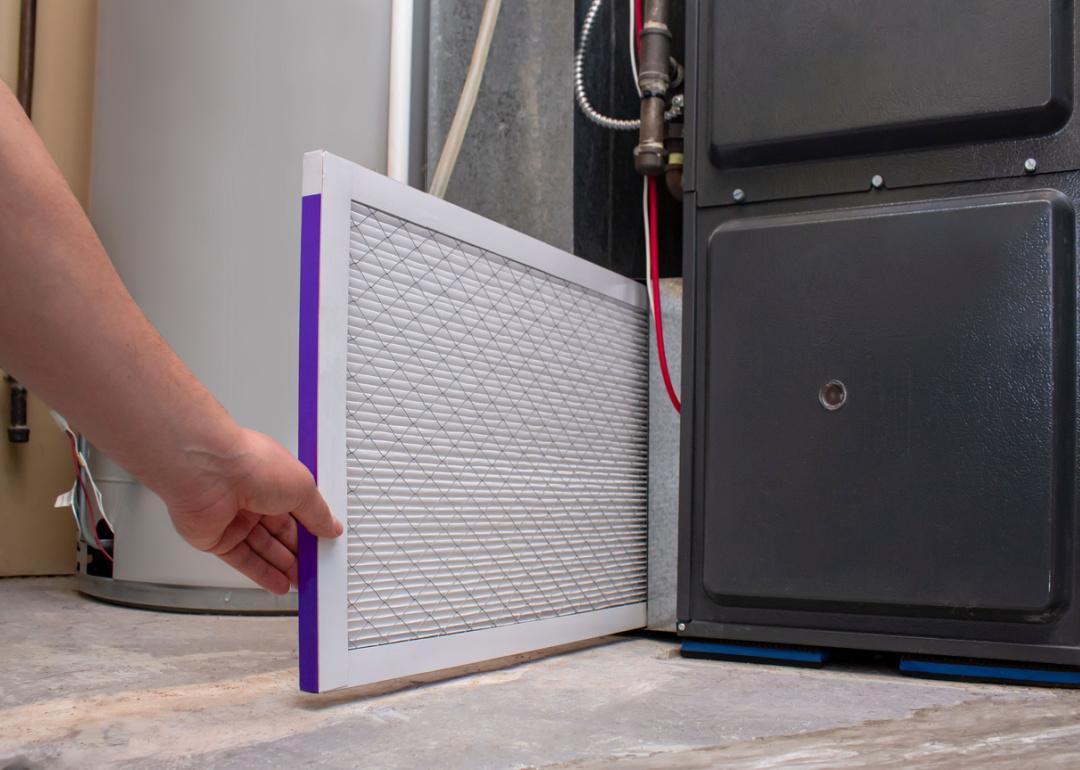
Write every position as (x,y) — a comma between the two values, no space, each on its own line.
(880,405)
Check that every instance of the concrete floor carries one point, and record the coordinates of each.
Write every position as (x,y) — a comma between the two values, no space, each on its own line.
(84,684)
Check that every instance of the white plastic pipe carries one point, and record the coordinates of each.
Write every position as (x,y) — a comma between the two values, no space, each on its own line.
(456,135)
(399,119)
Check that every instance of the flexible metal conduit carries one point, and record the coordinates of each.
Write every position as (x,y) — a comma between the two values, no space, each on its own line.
(597,117)
(590,112)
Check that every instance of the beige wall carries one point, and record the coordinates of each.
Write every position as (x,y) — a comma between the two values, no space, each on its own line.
(9,42)
(35,538)
(64,85)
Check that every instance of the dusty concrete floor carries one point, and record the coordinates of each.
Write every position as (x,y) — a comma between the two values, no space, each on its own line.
(83,684)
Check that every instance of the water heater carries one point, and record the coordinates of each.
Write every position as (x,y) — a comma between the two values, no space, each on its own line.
(203,112)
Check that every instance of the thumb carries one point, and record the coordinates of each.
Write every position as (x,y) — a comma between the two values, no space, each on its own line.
(313,512)
(272,482)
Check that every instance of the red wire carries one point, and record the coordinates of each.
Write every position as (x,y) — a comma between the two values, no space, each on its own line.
(654,269)
(654,254)
(86,496)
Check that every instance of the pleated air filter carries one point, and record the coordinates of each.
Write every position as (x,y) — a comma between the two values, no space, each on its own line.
(473,403)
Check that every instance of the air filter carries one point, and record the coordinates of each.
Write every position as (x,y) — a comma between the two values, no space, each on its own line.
(474,404)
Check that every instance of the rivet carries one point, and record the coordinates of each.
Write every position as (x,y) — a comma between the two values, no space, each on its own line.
(738,195)
(877,181)
(681,627)
(1031,165)
(833,395)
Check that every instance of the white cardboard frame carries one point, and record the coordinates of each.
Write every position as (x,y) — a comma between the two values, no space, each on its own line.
(326,662)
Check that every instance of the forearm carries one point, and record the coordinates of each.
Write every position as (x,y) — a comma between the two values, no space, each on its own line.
(70,330)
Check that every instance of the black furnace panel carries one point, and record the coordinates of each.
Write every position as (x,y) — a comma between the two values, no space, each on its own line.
(879,421)
(794,80)
(799,98)
(885,413)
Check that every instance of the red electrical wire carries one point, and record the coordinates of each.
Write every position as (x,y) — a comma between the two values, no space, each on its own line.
(654,253)
(86,496)
(654,270)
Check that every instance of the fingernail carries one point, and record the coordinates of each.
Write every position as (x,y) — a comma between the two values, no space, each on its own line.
(338,528)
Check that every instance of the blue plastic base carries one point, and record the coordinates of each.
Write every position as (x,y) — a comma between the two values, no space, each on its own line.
(786,656)
(991,672)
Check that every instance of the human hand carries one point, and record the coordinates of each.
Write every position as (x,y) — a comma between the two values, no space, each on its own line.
(243,507)
(231,492)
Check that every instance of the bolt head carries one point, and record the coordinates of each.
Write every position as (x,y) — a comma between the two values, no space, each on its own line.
(1031,165)
(677,101)
(681,627)
(877,181)
(738,195)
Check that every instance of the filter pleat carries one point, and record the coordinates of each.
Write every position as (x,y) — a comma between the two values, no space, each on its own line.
(496,439)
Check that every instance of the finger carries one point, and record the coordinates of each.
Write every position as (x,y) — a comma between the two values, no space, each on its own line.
(235,532)
(313,512)
(271,550)
(283,528)
(282,485)
(246,561)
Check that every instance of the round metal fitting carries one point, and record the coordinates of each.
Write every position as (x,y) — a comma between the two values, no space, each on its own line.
(833,395)
(1031,165)
(877,181)
(681,627)
(738,195)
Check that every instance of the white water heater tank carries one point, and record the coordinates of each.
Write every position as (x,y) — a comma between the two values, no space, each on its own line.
(204,110)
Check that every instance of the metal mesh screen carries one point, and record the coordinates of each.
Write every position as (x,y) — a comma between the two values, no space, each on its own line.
(496,430)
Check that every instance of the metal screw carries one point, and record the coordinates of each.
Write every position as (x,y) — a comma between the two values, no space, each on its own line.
(738,195)
(1030,165)
(228,597)
(681,627)
(677,102)
(877,182)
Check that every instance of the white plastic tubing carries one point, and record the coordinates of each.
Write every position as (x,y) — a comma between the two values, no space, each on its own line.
(456,135)
(399,120)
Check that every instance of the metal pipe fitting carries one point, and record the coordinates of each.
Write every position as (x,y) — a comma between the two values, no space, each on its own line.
(654,68)
(654,78)
(590,112)
(650,155)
